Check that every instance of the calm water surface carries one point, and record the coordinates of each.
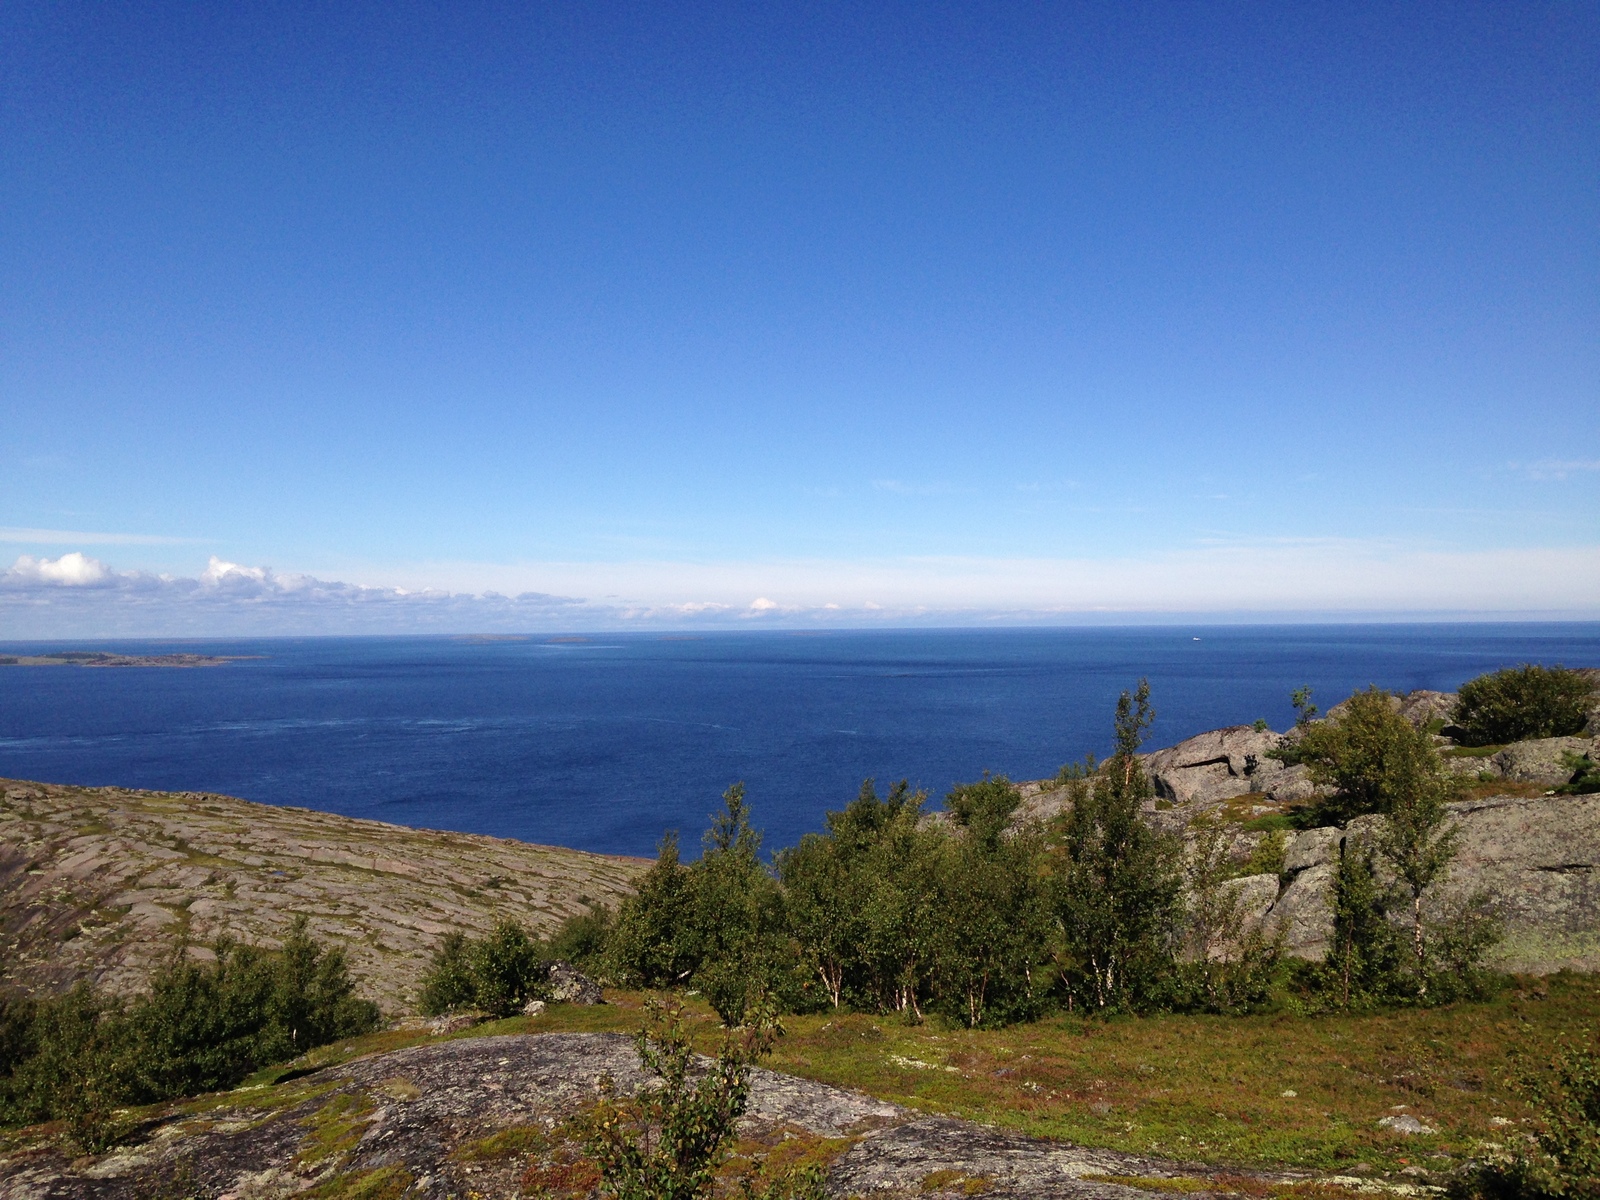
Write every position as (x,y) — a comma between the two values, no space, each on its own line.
(606,742)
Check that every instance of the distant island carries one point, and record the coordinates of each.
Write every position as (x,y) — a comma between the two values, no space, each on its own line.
(100,658)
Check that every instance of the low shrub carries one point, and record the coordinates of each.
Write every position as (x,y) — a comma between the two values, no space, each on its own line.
(1523,702)
(1585,775)
(499,973)
(200,1027)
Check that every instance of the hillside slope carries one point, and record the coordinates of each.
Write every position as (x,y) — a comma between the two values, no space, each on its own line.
(100,882)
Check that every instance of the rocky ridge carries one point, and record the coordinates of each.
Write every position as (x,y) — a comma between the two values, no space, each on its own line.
(1535,854)
(99,883)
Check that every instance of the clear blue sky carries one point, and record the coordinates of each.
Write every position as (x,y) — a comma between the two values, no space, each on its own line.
(949,309)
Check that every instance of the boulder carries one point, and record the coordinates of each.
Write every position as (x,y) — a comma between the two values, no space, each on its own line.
(1304,912)
(1539,760)
(1538,861)
(1535,859)
(568,985)
(1311,848)
(1419,707)
(1292,785)
(1423,707)
(1255,894)
(1215,765)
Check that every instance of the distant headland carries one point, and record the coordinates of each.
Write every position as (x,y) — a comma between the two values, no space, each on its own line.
(101,658)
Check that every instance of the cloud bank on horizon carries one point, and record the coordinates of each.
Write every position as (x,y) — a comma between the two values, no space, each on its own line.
(77,595)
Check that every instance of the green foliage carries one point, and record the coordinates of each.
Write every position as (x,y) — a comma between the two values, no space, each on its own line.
(993,932)
(1225,968)
(1370,754)
(738,914)
(894,864)
(499,973)
(983,808)
(581,940)
(1523,702)
(1118,892)
(1585,775)
(1376,960)
(654,943)
(1305,712)
(835,888)
(1267,856)
(1260,725)
(200,1027)
(1418,845)
(667,1142)
(448,984)
(1566,1164)
(718,923)
(1071,772)
(1365,964)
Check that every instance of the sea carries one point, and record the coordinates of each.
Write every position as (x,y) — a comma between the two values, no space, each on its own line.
(607,741)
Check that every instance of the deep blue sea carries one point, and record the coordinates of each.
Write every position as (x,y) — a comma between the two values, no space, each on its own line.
(606,742)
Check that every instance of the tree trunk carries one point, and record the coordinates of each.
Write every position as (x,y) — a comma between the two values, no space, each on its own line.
(1416,942)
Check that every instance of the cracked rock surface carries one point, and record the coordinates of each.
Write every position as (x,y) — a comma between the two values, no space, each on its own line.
(99,883)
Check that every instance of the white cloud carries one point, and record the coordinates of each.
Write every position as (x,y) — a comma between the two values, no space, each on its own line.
(70,570)
(78,596)
(218,572)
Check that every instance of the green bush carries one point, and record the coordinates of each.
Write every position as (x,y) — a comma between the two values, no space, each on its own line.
(499,973)
(1118,886)
(448,984)
(1585,775)
(1523,702)
(667,1142)
(200,1027)
(1371,755)
(581,940)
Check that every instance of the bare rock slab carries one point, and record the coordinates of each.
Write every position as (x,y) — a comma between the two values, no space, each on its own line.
(98,883)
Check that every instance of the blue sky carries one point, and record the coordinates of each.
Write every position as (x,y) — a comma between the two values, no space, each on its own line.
(729,313)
